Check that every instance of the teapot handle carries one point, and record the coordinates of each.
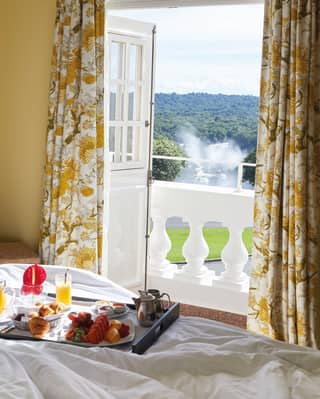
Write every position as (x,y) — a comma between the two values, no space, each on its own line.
(168,299)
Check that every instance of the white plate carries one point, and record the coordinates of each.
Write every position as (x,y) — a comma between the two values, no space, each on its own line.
(124,340)
(114,315)
(54,321)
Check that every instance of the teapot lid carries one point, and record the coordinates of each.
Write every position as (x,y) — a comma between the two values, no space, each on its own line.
(145,296)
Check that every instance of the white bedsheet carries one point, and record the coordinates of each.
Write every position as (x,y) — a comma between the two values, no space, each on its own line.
(195,358)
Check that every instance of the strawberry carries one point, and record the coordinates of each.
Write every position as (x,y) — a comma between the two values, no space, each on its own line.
(72,316)
(70,334)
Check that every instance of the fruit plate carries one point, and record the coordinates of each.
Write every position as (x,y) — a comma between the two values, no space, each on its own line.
(125,340)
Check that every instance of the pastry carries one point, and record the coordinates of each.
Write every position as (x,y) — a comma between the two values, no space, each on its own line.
(45,310)
(56,307)
(38,327)
(31,315)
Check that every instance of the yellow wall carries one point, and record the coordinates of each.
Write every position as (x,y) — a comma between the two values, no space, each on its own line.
(26,37)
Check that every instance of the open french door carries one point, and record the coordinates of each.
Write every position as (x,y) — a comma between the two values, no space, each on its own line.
(129,115)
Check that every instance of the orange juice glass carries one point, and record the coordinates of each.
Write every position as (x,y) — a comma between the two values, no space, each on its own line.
(7,297)
(63,288)
(3,300)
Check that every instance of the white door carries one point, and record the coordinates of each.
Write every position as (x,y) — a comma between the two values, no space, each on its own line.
(129,115)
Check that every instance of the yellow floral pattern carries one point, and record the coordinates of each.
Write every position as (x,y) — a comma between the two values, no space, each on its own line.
(72,206)
(284,296)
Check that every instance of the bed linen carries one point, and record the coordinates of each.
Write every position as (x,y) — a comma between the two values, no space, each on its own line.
(195,358)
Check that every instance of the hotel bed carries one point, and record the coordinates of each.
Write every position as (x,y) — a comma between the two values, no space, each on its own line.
(195,358)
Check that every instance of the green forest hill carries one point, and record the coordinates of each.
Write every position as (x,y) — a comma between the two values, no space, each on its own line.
(213,118)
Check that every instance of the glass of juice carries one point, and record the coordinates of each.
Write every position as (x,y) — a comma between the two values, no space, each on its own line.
(7,297)
(63,288)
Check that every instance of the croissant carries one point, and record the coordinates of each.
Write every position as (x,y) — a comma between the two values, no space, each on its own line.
(38,327)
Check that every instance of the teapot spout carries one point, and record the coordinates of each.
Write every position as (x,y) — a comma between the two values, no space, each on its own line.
(136,301)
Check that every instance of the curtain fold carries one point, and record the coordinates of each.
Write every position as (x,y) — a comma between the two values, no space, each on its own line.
(72,205)
(284,296)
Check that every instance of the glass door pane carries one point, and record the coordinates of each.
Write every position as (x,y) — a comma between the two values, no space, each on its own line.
(117,60)
(127,90)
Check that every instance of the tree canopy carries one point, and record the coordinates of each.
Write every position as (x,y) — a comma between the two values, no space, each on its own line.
(213,118)
(164,169)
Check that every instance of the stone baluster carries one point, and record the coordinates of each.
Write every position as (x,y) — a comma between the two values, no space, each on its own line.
(160,245)
(234,257)
(195,250)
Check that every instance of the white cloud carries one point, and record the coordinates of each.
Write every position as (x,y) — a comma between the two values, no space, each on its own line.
(212,49)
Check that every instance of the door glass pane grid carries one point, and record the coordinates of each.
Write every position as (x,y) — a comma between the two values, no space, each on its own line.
(116,106)
(133,143)
(124,144)
(117,50)
(136,147)
(132,62)
(135,61)
(131,102)
(126,88)
(117,158)
(134,102)
(112,138)
(138,103)
(130,144)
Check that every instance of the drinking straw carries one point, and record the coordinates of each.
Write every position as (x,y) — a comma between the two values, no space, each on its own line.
(65,276)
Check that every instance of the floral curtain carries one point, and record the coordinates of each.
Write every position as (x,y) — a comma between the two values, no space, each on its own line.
(284,297)
(72,206)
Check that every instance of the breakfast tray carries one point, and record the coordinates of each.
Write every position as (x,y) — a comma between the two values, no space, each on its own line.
(144,338)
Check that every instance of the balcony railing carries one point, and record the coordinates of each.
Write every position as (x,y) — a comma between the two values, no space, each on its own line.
(197,205)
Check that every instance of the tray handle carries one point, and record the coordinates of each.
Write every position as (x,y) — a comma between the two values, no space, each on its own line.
(157,329)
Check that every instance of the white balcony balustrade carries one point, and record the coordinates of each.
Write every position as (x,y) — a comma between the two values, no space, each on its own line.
(160,245)
(197,205)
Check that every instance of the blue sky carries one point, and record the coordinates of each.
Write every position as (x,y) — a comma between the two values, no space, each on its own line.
(206,49)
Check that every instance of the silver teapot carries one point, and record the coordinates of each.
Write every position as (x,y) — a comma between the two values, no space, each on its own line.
(150,306)
(146,306)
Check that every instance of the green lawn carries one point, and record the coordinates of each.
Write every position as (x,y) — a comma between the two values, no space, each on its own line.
(216,239)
